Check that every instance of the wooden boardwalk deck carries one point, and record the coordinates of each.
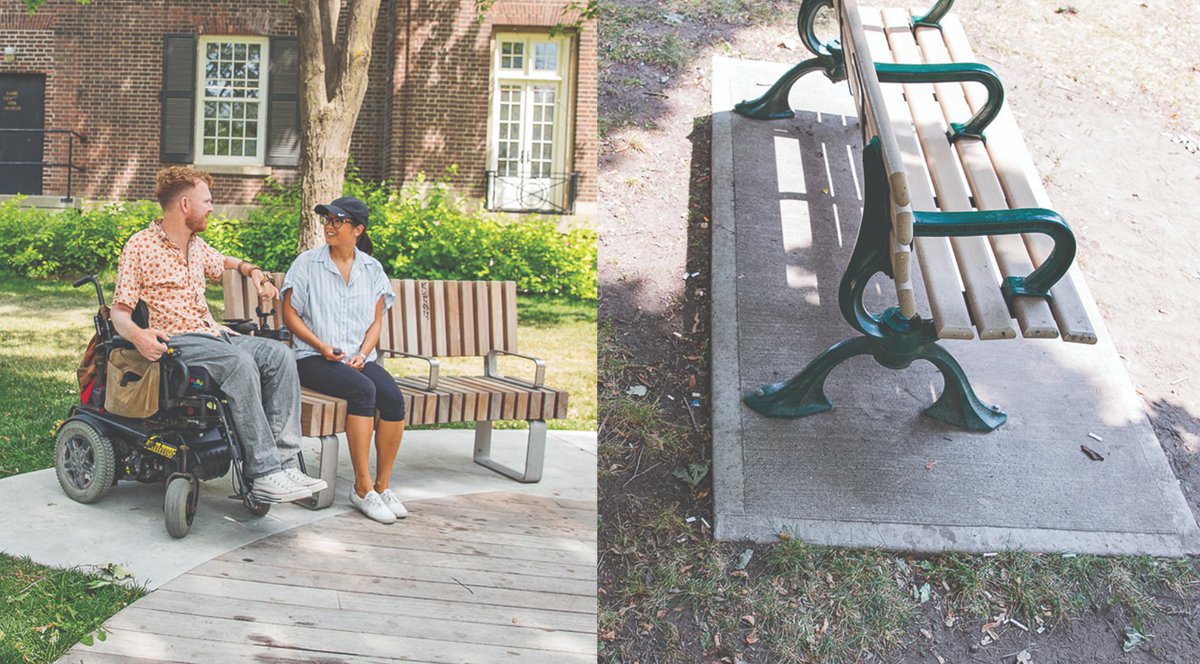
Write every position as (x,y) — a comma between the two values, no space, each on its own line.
(493,577)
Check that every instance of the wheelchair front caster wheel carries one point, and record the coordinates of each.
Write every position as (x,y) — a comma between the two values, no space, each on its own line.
(258,509)
(178,507)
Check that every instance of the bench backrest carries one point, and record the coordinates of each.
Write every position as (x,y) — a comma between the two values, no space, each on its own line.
(434,318)
(451,318)
(876,123)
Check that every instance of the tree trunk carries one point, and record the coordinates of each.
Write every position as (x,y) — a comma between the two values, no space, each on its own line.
(333,82)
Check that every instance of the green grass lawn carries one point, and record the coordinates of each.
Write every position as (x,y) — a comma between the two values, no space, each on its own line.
(44,328)
(45,610)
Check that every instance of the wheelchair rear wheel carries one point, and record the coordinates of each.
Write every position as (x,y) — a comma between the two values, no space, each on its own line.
(84,461)
(178,511)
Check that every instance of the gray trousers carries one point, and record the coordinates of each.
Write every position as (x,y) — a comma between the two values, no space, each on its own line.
(259,378)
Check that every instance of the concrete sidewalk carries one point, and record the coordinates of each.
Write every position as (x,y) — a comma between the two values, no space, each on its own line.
(126,526)
(874,472)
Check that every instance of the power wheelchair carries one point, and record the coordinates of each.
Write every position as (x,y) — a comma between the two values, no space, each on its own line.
(189,440)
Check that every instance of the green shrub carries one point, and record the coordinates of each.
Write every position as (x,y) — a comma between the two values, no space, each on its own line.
(421,232)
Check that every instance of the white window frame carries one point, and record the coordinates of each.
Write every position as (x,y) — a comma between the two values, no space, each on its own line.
(198,129)
(563,77)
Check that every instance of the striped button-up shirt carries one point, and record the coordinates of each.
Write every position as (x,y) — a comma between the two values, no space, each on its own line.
(339,313)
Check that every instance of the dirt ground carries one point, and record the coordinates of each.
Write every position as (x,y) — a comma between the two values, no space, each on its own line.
(1108,97)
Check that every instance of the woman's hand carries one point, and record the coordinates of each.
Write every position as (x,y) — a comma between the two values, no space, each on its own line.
(357,361)
(332,354)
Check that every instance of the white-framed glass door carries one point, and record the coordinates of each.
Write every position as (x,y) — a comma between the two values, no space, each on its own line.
(528,151)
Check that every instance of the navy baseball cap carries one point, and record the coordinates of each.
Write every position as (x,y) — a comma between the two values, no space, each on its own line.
(346,207)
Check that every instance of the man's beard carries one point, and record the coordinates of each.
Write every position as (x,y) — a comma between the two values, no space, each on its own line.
(196,225)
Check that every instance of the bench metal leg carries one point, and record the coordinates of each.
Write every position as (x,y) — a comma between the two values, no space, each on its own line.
(804,394)
(535,451)
(958,406)
(326,471)
(773,105)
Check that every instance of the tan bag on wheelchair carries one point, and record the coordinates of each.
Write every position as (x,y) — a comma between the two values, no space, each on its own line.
(132,381)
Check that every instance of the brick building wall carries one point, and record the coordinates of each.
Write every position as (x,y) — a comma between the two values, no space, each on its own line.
(443,80)
(426,105)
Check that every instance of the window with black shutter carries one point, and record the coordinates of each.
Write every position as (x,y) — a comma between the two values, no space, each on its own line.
(230,100)
(178,98)
(283,109)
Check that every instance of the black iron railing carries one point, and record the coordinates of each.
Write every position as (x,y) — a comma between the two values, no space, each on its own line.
(70,164)
(554,194)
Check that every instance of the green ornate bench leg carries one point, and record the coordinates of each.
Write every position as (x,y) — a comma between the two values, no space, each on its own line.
(959,405)
(773,104)
(804,394)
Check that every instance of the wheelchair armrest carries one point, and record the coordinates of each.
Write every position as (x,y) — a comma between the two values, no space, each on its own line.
(242,325)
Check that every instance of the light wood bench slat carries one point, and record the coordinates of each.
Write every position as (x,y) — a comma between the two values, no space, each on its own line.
(1033,314)
(1023,186)
(893,165)
(976,267)
(951,319)
(899,207)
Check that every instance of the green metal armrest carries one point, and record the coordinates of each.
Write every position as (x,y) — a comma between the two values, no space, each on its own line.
(956,72)
(433,366)
(1009,222)
(490,369)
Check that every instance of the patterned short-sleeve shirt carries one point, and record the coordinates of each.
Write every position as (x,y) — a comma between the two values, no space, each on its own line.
(171,282)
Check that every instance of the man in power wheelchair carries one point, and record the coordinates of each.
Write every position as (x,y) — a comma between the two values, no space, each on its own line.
(254,418)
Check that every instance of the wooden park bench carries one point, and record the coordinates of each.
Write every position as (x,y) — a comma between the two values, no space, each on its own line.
(431,320)
(947,179)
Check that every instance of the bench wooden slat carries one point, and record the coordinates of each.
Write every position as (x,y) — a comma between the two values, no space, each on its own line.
(976,266)
(1033,314)
(496,315)
(951,319)
(893,164)
(1024,189)
(899,207)
(454,319)
(510,316)
(466,296)
(483,332)
(437,319)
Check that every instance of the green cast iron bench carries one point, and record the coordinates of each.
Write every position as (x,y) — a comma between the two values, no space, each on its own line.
(431,320)
(948,180)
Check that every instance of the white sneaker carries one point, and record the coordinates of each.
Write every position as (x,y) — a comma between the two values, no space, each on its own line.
(372,506)
(278,488)
(297,476)
(393,503)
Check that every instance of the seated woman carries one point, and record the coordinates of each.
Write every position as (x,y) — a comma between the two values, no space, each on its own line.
(334,297)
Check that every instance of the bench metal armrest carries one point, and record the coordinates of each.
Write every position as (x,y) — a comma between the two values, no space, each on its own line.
(952,73)
(433,365)
(490,370)
(1009,222)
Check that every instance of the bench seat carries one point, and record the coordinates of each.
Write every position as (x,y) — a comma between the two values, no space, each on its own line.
(962,275)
